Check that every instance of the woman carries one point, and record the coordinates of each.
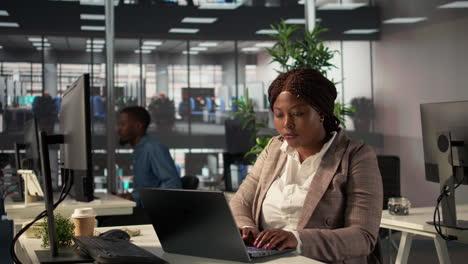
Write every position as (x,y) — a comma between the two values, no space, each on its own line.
(311,188)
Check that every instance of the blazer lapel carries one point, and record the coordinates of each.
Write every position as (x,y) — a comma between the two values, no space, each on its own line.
(273,170)
(323,176)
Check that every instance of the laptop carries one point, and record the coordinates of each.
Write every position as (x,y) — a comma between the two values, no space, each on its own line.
(198,223)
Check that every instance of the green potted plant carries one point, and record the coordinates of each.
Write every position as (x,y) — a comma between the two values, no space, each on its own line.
(364,113)
(64,229)
(296,47)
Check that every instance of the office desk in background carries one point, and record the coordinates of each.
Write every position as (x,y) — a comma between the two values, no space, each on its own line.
(416,224)
(149,241)
(105,204)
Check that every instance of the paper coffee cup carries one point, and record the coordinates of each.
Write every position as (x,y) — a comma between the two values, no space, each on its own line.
(84,220)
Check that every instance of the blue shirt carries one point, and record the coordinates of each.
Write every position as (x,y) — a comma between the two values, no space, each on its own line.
(153,167)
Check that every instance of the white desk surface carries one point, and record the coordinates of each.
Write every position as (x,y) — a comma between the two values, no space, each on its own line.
(148,240)
(106,204)
(416,222)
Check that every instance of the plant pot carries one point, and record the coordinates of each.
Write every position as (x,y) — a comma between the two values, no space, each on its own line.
(362,125)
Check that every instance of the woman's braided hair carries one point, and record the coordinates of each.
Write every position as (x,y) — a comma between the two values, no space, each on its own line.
(312,87)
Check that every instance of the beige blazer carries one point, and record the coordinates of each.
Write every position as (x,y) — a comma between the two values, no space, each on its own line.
(342,210)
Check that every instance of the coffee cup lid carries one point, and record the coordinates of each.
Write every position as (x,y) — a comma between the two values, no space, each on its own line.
(84,212)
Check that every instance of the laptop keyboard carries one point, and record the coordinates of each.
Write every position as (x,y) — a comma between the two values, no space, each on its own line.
(260,252)
(114,250)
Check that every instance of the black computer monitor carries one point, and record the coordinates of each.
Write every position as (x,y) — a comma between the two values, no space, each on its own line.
(75,124)
(31,144)
(76,156)
(195,162)
(445,143)
(32,158)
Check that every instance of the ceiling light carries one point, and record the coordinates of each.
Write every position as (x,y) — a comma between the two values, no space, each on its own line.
(199,20)
(96,2)
(265,44)
(250,49)
(1,47)
(266,31)
(38,44)
(404,20)
(93,28)
(95,46)
(148,47)
(295,21)
(92,17)
(4,13)
(36,39)
(456,4)
(9,24)
(40,48)
(199,48)
(190,52)
(343,6)
(361,31)
(143,51)
(301,2)
(152,43)
(220,6)
(208,44)
(184,30)
(94,50)
(96,41)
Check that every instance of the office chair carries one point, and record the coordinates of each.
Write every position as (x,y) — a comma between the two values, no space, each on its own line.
(190,182)
(389,167)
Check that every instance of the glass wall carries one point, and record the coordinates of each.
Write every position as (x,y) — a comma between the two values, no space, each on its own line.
(187,86)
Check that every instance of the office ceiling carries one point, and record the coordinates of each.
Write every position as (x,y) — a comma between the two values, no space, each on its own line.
(148,19)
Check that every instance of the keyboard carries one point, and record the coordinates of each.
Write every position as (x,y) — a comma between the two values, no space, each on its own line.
(114,251)
(260,252)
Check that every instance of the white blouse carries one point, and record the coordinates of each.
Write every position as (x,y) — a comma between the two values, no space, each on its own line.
(283,202)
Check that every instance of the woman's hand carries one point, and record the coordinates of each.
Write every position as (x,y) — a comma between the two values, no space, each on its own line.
(249,234)
(275,238)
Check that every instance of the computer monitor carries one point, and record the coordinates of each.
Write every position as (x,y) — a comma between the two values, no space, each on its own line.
(195,162)
(445,143)
(76,156)
(31,143)
(75,124)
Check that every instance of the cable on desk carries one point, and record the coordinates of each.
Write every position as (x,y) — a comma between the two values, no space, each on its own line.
(436,217)
(63,194)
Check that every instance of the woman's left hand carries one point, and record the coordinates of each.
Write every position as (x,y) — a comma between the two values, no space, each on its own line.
(276,238)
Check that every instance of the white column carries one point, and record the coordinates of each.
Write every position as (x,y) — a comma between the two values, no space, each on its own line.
(110,133)
(310,14)
(50,78)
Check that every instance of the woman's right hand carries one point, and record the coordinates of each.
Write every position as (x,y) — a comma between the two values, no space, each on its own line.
(249,234)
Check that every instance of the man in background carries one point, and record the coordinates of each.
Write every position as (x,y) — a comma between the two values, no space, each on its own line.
(152,163)
(45,111)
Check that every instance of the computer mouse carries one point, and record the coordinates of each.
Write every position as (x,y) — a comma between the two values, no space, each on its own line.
(116,233)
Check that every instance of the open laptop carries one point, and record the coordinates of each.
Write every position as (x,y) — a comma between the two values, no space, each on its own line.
(198,223)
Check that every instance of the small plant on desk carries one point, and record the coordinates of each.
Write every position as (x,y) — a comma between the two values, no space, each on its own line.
(65,232)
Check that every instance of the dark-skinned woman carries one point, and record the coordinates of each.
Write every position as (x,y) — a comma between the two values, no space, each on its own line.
(312,188)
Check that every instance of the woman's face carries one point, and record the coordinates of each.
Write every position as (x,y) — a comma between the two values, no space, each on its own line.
(297,122)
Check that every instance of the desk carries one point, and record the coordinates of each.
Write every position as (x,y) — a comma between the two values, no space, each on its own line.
(105,204)
(149,241)
(415,224)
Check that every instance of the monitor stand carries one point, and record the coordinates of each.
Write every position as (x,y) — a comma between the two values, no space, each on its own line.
(65,255)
